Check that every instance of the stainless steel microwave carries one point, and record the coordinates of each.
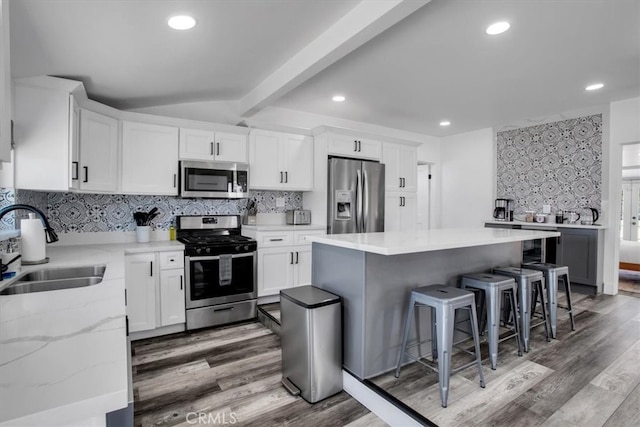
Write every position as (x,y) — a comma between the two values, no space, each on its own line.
(215,180)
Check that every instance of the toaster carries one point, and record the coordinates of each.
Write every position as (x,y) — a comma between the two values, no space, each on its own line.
(299,217)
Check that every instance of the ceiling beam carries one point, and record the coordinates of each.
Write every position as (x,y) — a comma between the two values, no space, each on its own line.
(365,21)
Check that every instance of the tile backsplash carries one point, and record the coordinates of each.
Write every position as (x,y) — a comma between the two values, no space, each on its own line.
(557,164)
(79,212)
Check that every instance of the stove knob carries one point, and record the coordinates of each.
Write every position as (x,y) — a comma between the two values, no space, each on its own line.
(198,250)
(238,248)
(246,247)
(208,250)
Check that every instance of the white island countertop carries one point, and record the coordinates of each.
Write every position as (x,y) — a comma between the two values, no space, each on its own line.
(63,354)
(397,243)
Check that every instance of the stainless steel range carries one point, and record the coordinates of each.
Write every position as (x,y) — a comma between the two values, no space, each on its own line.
(220,270)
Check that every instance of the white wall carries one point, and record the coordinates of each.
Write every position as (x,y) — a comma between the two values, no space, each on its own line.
(624,128)
(467,179)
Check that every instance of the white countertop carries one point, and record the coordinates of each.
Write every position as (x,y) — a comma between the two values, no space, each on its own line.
(547,224)
(63,354)
(280,227)
(396,243)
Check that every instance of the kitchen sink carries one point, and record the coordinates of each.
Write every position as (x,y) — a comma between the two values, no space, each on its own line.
(54,279)
(62,273)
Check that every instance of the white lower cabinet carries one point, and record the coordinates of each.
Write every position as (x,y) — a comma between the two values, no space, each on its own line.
(284,259)
(400,211)
(155,289)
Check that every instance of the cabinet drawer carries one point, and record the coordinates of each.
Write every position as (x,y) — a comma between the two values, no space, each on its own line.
(171,260)
(275,238)
(300,237)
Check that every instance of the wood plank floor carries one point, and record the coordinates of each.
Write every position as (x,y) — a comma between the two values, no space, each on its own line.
(589,377)
(231,375)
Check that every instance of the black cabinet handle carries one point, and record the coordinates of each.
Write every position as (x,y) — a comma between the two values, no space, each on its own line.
(276,240)
(217,148)
(291,260)
(286,177)
(355,145)
(211,148)
(151,268)
(400,185)
(86,173)
(400,199)
(359,146)
(281,175)
(74,176)
(297,257)
(175,178)
(181,282)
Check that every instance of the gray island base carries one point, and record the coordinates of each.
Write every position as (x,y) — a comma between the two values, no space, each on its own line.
(374,273)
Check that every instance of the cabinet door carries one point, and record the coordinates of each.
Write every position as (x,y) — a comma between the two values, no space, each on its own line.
(74,141)
(149,159)
(275,270)
(196,144)
(98,152)
(230,147)
(302,263)
(355,147)
(578,250)
(140,280)
(401,167)
(172,305)
(264,161)
(400,211)
(297,162)
(5,84)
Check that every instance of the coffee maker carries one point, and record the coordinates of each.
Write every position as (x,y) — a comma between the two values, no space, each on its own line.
(503,210)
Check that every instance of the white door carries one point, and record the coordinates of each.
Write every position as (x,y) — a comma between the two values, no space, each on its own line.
(391,160)
(275,270)
(630,211)
(408,212)
(98,152)
(392,211)
(230,147)
(172,305)
(74,141)
(196,144)
(423,197)
(140,281)
(408,161)
(297,152)
(149,159)
(264,161)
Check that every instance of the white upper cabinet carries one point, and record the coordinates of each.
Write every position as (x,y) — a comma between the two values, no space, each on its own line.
(149,159)
(401,167)
(5,84)
(98,166)
(355,147)
(280,161)
(197,144)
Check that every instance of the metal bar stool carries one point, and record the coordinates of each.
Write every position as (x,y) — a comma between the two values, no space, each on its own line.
(444,300)
(553,273)
(495,287)
(526,280)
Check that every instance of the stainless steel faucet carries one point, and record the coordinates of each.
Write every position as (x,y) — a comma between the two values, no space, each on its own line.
(49,232)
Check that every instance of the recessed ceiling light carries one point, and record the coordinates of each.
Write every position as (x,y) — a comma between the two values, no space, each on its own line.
(338,98)
(498,28)
(181,22)
(445,123)
(594,86)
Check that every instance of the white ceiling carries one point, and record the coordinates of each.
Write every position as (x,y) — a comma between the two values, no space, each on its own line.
(436,63)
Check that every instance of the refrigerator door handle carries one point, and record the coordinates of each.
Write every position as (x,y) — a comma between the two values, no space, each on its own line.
(365,202)
(359,225)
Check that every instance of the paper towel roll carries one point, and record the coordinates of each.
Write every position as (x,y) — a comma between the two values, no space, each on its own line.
(33,239)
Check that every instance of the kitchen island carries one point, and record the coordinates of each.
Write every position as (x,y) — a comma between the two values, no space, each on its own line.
(63,353)
(374,273)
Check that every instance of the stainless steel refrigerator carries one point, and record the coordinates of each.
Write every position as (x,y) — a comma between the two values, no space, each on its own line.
(356,196)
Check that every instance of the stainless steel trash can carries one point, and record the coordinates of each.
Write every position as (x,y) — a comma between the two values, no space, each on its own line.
(311,325)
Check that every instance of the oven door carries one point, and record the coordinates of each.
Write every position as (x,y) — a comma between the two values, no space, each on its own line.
(211,280)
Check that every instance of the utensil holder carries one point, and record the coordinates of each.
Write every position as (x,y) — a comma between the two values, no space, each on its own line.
(143,233)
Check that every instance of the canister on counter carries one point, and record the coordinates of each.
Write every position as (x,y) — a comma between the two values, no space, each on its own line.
(11,258)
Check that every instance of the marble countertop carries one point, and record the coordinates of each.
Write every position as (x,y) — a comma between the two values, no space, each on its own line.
(548,224)
(63,355)
(397,243)
(281,227)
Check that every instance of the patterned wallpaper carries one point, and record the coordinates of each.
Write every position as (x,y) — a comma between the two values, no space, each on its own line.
(79,212)
(557,164)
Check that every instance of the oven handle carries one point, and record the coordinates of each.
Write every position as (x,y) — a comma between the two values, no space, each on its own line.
(206,258)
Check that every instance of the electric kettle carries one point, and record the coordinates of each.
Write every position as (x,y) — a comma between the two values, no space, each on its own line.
(595,214)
